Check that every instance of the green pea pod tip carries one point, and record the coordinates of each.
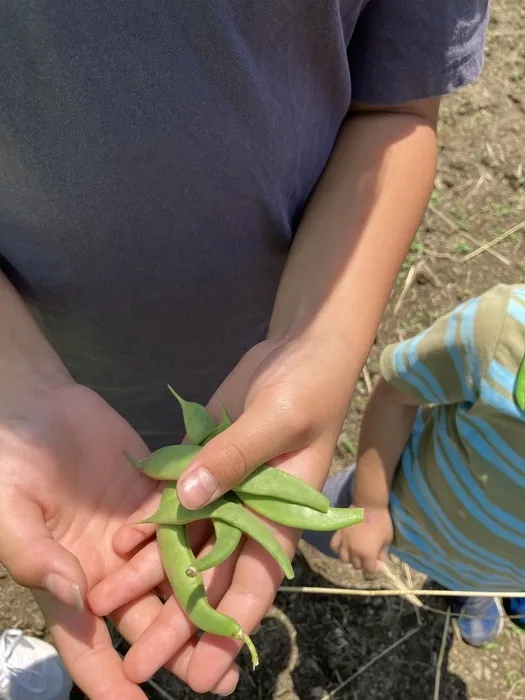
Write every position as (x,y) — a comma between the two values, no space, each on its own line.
(198,421)
(134,462)
(175,395)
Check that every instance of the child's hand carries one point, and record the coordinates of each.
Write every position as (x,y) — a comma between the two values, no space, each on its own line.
(365,545)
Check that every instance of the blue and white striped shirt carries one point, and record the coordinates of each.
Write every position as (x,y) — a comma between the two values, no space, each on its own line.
(458,497)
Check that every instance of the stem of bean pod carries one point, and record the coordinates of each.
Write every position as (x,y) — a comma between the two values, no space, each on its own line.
(191,571)
(243,637)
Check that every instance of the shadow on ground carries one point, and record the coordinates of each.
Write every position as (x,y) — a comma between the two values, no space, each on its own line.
(314,647)
(339,641)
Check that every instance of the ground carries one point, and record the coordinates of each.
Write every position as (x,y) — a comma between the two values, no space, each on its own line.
(311,645)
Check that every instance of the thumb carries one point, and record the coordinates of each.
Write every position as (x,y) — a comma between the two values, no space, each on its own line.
(33,558)
(264,431)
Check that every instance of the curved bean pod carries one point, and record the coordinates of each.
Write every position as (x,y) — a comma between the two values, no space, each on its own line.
(270,481)
(172,512)
(177,556)
(300,517)
(227,538)
(168,464)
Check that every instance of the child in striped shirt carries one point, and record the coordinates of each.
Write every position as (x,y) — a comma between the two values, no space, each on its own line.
(440,468)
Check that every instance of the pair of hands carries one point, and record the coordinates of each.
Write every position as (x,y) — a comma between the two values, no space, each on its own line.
(365,545)
(68,498)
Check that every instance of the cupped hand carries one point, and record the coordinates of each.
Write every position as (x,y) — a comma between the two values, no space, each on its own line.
(290,400)
(365,545)
(65,489)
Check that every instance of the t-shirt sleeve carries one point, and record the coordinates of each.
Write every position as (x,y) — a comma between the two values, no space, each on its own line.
(446,363)
(405,50)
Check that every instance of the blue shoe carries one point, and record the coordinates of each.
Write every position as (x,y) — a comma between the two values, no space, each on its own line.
(516,606)
(480,621)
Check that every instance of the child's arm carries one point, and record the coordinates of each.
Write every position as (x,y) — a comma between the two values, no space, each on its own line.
(386,427)
(444,364)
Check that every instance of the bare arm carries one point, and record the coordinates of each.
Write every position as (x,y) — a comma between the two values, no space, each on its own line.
(357,228)
(293,390)
(386,427)
(27,361)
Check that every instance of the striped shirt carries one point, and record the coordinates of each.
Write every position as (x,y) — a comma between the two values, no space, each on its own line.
(458,497)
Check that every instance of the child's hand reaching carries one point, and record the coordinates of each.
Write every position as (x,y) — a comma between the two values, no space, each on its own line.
(387,424)
(365,545)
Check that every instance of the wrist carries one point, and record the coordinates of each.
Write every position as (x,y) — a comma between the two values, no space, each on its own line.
(28,363)
(345,347)
(372,503)
(326,345)
(18,389)
(369,496)
(374,515)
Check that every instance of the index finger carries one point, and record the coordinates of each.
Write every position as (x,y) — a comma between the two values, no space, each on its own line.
(85,646)
(130,535)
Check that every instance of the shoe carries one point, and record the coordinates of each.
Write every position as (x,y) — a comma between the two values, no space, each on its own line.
(515,606)
(31,669)
(480,621)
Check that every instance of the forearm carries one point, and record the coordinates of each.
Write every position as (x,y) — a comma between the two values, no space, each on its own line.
(385,430)
(356,231)
(26,358)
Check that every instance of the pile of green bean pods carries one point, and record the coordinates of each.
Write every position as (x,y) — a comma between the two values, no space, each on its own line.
(270,492)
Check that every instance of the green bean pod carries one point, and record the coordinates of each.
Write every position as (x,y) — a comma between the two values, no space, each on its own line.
(227,538)
(300,517)
(172,512)
(519,390)
(273,482)
(168,464)
(198,422)
(177,556)
(225,423)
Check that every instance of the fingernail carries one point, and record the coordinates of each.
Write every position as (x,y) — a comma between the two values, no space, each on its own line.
(197,488)
(64,590)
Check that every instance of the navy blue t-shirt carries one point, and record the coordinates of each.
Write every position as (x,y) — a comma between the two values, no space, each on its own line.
(155,159)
